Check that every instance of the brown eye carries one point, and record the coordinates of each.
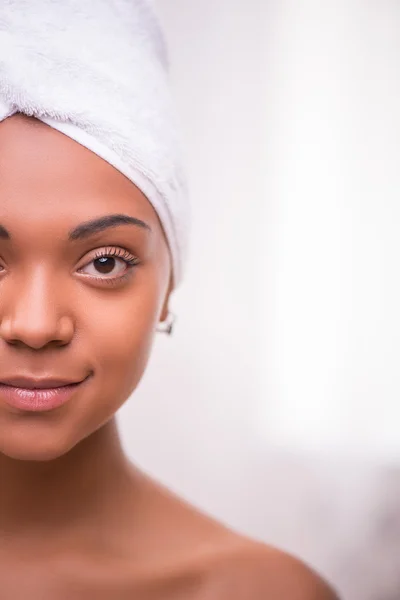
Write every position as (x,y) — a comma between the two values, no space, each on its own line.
(105,264)
(114,263)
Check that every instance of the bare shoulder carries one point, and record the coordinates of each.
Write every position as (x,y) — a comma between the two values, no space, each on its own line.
(253,571)
(203,559)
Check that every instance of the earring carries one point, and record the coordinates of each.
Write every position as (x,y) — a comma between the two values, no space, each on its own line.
(167,326)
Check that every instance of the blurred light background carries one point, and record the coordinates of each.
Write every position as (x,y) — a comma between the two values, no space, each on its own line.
(275,405)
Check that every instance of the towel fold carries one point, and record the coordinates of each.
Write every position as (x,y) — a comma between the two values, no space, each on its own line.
(97,70)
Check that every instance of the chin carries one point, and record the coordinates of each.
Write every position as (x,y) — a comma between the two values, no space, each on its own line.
(33,454)
(34,448)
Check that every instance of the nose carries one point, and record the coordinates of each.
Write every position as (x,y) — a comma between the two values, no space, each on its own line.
(31,314)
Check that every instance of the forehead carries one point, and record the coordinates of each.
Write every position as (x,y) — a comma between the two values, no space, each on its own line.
(46,174)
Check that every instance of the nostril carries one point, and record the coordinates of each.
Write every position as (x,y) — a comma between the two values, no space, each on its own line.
(35,334)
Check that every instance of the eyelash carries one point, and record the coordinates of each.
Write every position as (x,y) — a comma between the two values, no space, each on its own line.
(128,258)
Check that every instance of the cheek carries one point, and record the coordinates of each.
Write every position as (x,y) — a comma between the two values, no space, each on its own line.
(124,354)
(121,343)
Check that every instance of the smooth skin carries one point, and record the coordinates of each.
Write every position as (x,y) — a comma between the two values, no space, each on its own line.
(78,521)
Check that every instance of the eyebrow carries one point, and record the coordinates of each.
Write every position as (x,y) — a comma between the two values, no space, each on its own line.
(88,228)
(100,224)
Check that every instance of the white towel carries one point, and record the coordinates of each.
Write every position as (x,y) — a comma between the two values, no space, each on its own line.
(97,71)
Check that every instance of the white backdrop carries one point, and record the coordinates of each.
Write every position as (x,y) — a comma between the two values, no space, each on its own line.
(275,405)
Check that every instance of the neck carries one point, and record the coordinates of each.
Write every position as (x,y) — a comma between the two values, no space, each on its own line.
(84,486)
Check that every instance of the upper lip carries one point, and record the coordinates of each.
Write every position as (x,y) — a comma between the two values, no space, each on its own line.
(38,383)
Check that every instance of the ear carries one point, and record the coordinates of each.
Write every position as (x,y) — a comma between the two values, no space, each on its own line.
(165,308)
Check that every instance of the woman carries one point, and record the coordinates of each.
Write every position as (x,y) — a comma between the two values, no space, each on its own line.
(92,223)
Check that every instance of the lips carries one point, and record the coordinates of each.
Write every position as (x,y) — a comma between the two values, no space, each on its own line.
(32,383)
(28,394)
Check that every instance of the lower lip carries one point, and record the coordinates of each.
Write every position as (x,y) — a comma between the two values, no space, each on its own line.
(38,400)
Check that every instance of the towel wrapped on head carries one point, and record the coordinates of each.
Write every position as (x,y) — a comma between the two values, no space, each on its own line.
(97,71)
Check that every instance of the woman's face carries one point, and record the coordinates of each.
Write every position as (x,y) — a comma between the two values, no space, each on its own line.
(66,311)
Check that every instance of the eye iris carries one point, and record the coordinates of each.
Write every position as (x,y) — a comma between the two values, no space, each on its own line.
(106,264)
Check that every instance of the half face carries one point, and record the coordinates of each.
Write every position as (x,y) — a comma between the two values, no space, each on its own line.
(84,280)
